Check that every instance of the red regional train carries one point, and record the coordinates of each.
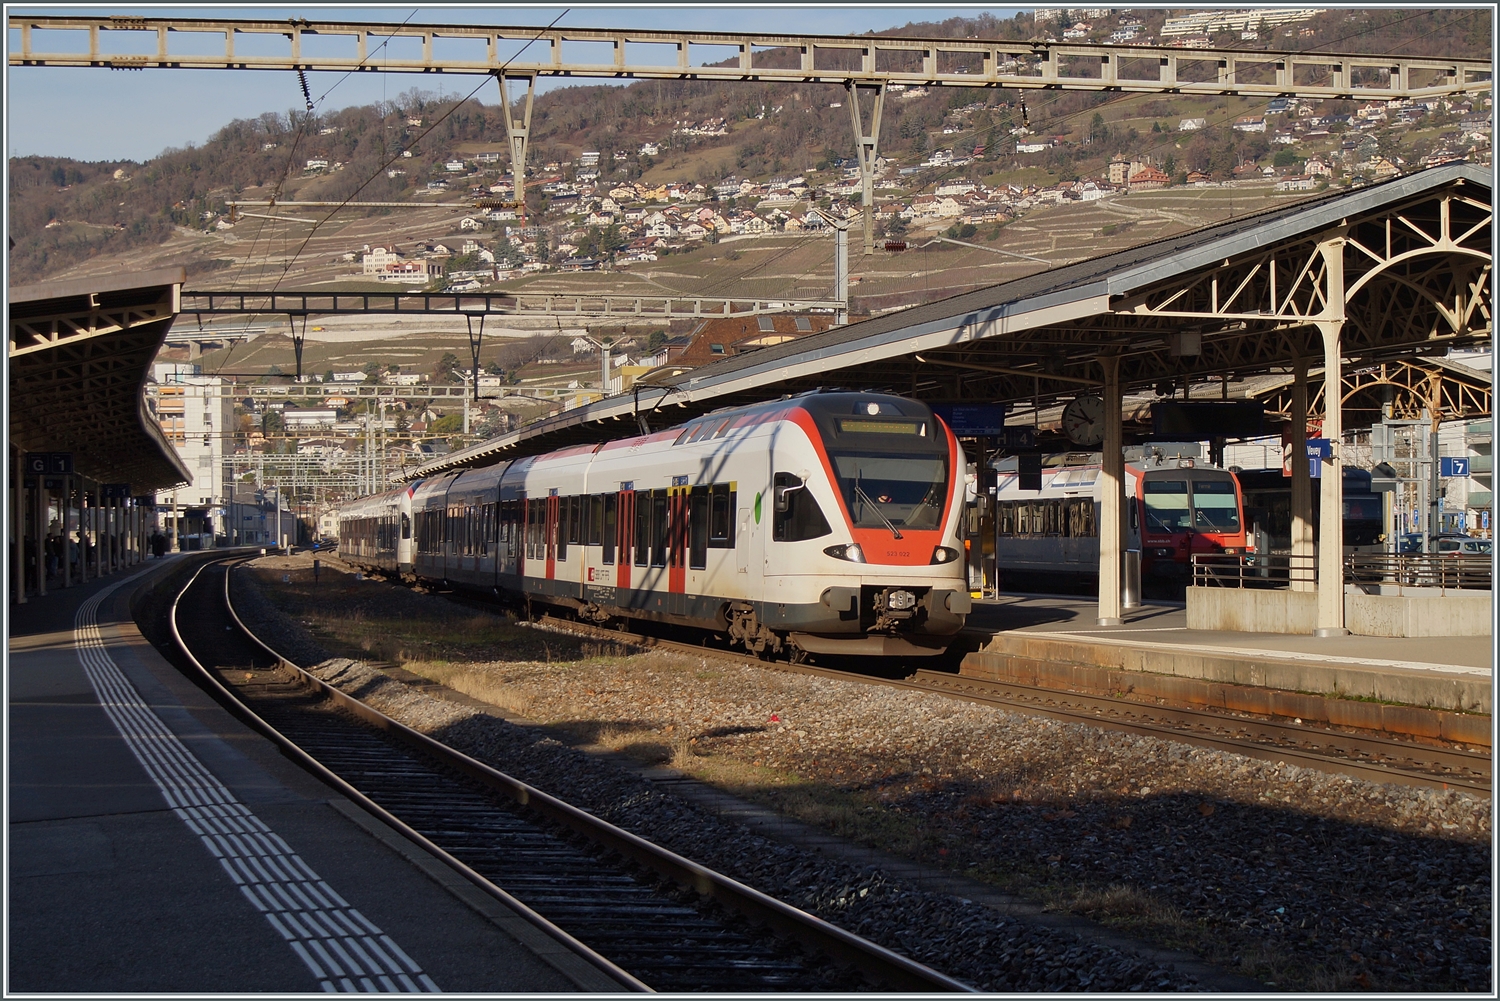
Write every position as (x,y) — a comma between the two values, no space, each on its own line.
(826,523)
(1174,509)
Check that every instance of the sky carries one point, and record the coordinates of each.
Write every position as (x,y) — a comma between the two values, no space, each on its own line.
(101,114)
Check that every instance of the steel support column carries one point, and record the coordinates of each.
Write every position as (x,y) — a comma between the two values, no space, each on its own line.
(1302,533)
(1111,497)
(865,145)
(518,136)
(65,547)
(18,527)
(1331,514)
(41,536)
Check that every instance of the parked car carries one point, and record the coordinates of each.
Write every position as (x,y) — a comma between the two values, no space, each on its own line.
(1446,542)
(1464,547)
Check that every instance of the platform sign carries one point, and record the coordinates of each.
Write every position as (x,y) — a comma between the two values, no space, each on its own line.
(115,491)
(1318,449)
(974,420)
(1454,466)
(1019,438)
(49,463)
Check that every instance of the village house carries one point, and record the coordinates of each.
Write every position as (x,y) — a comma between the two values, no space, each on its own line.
(1148,178)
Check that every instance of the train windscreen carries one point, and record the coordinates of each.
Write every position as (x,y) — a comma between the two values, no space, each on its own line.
(1209,505)
(1215,508)
(1167,508)
(907,491)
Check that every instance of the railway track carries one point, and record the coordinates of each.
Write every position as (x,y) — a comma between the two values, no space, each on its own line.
(1328,749)
(649,919)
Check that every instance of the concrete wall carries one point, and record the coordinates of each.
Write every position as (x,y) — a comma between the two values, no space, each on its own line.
(1411,615)
(1252,610)
(1051,660)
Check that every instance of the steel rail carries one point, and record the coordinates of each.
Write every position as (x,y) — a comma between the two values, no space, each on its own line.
(1087,709)
(317,768)
(947,62)
(881,965)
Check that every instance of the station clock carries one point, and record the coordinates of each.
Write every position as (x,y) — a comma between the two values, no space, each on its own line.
(1083,421)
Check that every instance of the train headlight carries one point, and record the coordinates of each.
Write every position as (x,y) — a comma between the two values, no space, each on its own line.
(901,600)
(942,554)
(851,552)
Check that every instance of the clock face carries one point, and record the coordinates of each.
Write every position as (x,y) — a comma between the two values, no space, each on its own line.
(1083,421)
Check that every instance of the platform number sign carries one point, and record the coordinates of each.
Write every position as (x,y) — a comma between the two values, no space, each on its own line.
(1454,466)
(49,463)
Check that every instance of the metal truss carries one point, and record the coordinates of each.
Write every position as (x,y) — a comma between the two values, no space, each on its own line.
(1413,278)
(1403,282)
(522,55)
(237,302)
(49,323)
(1409,388)
(521,52)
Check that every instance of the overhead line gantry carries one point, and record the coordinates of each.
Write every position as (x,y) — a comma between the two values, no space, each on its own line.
(866,63)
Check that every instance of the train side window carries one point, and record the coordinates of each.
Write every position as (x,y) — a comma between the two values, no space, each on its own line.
(606,524)
(797,516)
(658,528)
(698,529)
(721,517)
(642,539)
(405,525)
(596,520)
(560,528)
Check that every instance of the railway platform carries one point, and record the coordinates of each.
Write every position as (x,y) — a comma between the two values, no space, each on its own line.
(157,844)
(1426,686)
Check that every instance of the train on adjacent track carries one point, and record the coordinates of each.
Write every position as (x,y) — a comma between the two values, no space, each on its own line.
(1174,509)
(826,523)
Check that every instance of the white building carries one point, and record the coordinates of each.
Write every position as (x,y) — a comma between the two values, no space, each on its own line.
(197,416)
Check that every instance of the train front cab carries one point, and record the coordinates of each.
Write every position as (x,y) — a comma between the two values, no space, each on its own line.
(1184,510)
(864,555)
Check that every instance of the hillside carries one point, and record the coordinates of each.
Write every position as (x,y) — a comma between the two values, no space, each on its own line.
(70,218)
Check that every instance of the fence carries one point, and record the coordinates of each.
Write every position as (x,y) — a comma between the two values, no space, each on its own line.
(1252,570)
(1449,571)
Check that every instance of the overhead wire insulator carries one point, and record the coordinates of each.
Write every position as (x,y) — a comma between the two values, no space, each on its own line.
(306,92)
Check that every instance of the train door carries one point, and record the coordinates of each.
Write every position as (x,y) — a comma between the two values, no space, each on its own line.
(625,534)
(742,540)
(677,525)
(549,534)
(514,553)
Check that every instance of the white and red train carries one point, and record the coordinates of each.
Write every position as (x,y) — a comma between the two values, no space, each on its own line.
(1173,511)
(823,523)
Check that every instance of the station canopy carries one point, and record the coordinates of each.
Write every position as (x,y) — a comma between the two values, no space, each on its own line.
(1404,265)
(79,355)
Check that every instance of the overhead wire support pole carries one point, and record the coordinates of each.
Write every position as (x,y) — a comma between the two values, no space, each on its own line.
(517,134)
(866,145)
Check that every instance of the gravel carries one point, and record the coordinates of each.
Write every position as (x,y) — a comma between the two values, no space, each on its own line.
(1302,879)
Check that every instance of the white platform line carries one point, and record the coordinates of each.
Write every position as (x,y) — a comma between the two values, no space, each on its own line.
(343,949)
(1121,637)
